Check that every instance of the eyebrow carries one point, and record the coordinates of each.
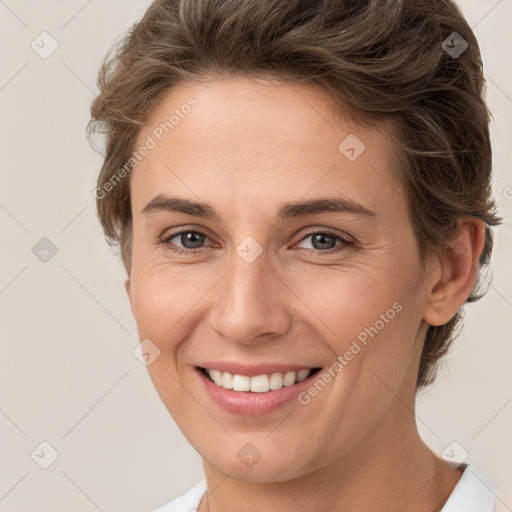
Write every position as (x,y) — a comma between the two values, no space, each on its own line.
(287,210)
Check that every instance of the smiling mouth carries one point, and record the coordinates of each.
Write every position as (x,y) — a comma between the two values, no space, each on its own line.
(259,383)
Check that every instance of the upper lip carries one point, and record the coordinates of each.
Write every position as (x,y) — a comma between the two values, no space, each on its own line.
(252,370)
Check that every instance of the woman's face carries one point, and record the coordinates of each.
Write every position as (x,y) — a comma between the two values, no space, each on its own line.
(265,286)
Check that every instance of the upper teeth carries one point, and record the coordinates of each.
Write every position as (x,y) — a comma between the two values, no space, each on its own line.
(258,384)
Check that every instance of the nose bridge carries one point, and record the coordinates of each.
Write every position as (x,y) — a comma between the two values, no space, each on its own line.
(248,302)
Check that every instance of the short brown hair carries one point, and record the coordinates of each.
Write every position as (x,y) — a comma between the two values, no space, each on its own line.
(383,58)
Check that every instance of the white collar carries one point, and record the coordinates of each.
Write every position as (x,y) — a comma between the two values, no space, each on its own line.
(474,492)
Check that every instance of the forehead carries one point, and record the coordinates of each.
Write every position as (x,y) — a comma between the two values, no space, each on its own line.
(252,141)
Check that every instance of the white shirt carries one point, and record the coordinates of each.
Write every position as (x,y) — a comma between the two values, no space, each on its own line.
(473,493)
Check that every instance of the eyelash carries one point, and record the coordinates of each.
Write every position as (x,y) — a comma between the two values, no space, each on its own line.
(345,242)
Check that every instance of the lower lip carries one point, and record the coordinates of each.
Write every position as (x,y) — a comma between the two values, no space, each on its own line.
(250,403)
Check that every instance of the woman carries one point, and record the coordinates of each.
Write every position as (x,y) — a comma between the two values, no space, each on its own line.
(301,194)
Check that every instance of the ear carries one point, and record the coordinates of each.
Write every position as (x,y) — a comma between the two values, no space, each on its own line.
(127,287)
(457,271)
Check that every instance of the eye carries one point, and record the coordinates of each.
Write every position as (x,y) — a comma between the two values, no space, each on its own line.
(325,242)
(191,240)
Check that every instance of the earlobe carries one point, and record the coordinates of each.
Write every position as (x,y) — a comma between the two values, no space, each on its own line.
(458,272)
(128,291)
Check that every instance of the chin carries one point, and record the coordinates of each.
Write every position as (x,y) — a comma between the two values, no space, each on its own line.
(268,471)
(250,459)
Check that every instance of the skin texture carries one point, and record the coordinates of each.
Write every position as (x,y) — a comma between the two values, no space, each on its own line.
(247,148)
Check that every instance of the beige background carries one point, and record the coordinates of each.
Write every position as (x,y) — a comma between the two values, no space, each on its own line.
(68,375)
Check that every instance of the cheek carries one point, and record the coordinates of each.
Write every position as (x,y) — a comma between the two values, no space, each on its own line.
(169,303)
(369,318)
(349,304)
(163,304)
(161,300)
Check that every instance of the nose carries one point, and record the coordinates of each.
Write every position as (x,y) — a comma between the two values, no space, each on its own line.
(250,304)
